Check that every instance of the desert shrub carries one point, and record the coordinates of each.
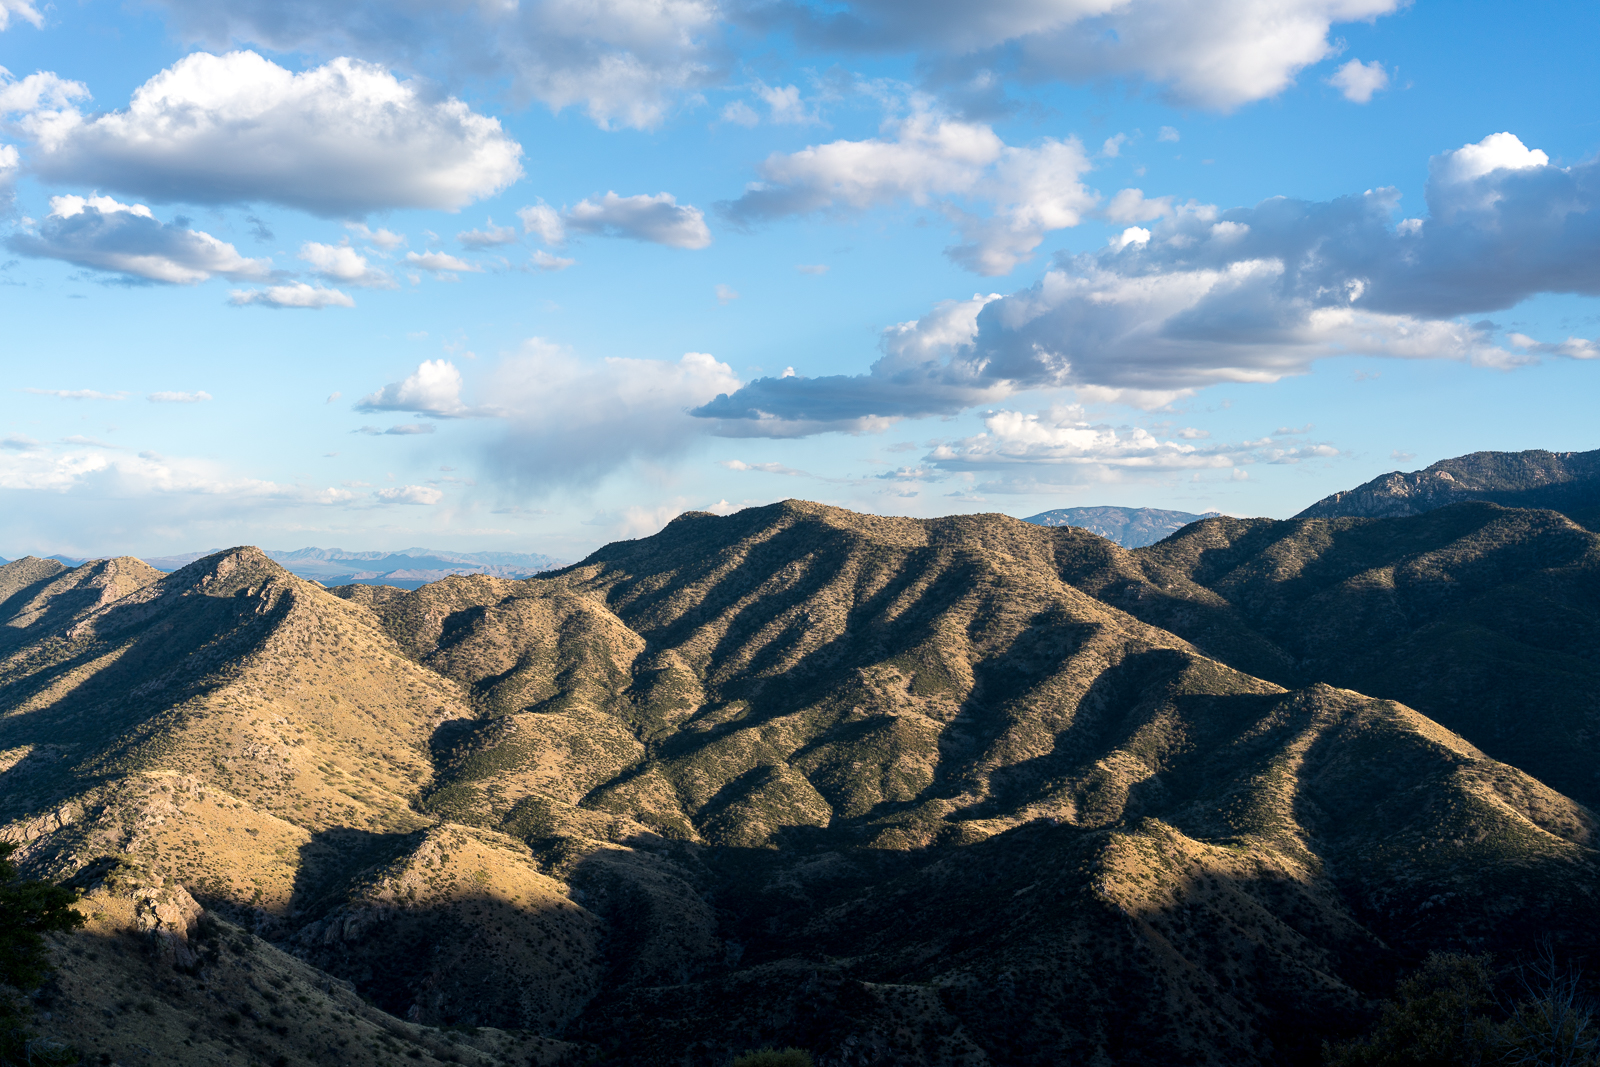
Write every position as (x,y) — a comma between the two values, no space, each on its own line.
(1449,1014)
(28,910)
(775,1057)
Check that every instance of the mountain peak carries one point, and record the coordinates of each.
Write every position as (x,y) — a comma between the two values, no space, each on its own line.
(1568,482)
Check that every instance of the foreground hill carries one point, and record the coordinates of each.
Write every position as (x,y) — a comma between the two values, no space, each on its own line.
(966,790)
(1561,481)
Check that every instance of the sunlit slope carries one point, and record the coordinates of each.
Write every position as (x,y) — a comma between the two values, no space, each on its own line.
(901,682)
(955,791)
(242,732)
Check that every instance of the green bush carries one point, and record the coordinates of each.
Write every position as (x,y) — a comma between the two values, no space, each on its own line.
(28,910)
(775,1057)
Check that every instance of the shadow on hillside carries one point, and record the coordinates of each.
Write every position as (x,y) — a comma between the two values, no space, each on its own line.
(336,858)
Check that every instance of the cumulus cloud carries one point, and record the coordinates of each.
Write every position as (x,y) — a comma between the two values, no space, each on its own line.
(544,261)
(441,263)
(659,219)
(199,397)
(127,239)
(88,468)
(928,158)
(1062,444)
(1212,53)
(925,369)
(543,221)
(570,422)
(434,389)
(293,295)
(1130,205)
(341,263)
(1245,295)
(488,237)
(621,61)
(23,10)
(1358,81)
(341,139)
(409,494)
(382,238)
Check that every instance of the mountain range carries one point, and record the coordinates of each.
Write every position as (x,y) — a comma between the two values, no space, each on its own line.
(406,569)
(1128,527)
(967,790)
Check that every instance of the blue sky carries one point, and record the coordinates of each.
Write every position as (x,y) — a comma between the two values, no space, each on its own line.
(540,275)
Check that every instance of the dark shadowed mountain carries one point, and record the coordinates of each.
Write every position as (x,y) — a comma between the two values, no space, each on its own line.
(1128,527)
(1568,482)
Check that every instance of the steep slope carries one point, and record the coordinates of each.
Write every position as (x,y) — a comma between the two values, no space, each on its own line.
(1483,618)
(1568,482)
(966,790)
(816,718)
(1128,527)
(248,735)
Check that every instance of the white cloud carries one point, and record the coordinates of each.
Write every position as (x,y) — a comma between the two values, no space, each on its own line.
(434,389)
(624,62)
(89,469)
(1358,81)
(1498,151)
(341,139)
(17,442)
(740,114)
(1571,348)
(785,106)
(542,260)
(341,263)
(293,295)
(571,422)
(1062,445)
(22,9)
(43,93)
(726,294)
(489,236)
(442,263)
(77,394)
(1130,205)
(1212,53)
(1168,133)
(816,269)
(659,219)
(543,220)
(409,494)
(179,398)
(931,158)
(382,238)
(1248,295)
(100,233)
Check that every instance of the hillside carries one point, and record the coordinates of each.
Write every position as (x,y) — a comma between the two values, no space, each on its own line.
(965,790)
(1128,527)
(1568,482)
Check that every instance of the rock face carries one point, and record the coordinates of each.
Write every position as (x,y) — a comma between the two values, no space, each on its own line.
(1561,481)
(1128,527)
(954,791)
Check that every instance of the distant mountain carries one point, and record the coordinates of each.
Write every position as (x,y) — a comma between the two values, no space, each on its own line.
(1128,527)
(1568,482)
(408,569)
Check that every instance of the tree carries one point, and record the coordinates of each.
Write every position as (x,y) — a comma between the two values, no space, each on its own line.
(28,910)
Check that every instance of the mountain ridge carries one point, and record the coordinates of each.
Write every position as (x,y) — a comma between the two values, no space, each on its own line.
(961,790)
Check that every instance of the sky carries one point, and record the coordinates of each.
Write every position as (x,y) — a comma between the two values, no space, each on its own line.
(537,275)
